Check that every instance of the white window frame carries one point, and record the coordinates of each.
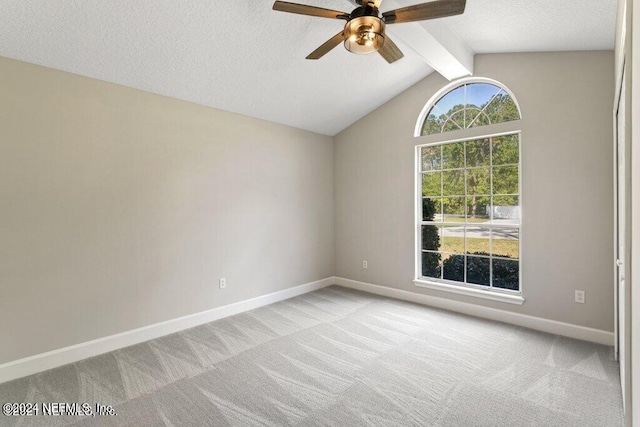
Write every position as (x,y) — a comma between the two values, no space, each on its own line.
(500,129)
(451,86)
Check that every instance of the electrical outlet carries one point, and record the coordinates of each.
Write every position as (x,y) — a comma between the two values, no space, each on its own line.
(364,264)
(223,283)
(580,295)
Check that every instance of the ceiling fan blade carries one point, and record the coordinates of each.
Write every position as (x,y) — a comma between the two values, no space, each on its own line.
(302,9)
(424,11)
(326,46)
(390,51)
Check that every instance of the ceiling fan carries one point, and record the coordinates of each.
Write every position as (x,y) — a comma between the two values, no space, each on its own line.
(364,30)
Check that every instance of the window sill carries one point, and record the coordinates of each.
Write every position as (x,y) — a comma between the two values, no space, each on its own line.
(478,293)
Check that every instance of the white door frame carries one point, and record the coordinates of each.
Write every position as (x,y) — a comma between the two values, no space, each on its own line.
(633,75)
(622,116)
(622,224)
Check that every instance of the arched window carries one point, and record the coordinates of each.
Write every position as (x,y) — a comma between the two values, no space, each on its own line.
(468,198)
(473,104)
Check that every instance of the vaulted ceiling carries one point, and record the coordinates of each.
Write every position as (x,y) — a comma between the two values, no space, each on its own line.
(243,57)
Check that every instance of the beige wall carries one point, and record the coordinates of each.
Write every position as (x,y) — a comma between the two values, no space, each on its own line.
(567,223)
(120,208)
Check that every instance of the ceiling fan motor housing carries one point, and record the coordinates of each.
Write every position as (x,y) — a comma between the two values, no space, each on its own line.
(368,9)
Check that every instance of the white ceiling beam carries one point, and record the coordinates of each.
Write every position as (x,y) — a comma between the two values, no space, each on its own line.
(434,42)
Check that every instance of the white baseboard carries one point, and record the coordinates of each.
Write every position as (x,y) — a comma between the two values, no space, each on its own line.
(531,322)
(52,359)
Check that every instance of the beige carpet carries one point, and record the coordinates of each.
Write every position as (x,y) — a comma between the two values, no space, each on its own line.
(343,358)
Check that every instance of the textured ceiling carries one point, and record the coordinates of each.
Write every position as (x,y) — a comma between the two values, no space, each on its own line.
(243,57)
(492,26)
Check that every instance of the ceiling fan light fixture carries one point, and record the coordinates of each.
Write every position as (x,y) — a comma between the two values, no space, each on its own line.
(364,31)
(364,34)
